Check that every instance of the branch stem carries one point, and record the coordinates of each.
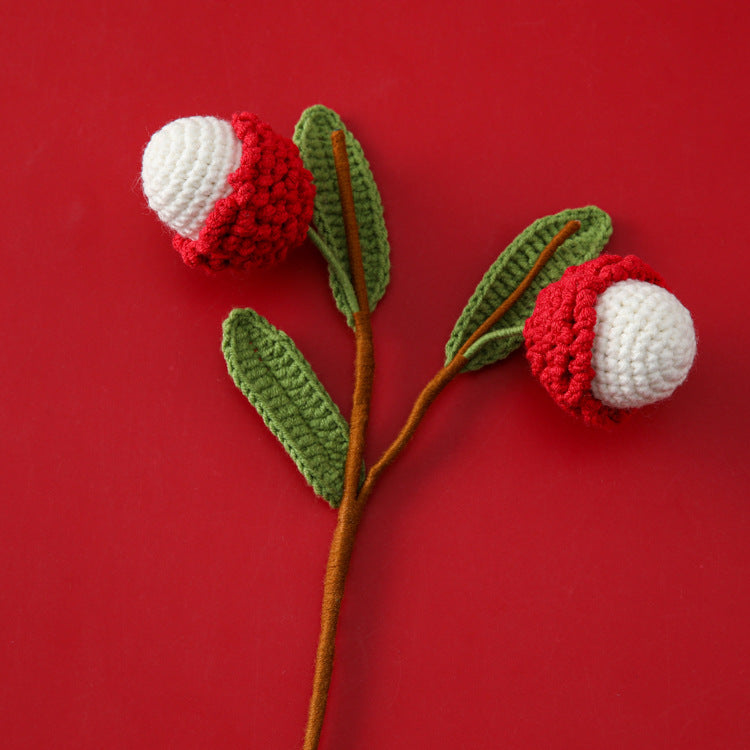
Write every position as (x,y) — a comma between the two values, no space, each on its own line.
(355,498)
(570,228)
(343,173)
(350,511)
(455,366)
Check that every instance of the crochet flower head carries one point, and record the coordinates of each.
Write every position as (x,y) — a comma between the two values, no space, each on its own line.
(608,338)
(236,194)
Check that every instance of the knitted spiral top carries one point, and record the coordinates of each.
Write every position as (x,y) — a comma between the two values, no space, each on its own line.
(236,195)
(608,337)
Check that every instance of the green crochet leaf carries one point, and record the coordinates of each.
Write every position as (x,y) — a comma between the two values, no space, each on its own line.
(509,270)
(278,381)
(313,138)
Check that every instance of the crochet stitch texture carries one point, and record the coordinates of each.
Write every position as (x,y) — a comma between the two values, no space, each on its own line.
(561,332)
(185,169)
(276,378)
(644,344)
(236,199)
(312,135)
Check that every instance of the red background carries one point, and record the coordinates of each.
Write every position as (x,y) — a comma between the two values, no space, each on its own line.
(520,580)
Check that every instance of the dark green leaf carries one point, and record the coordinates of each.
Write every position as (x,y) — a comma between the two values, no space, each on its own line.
(279,382)
(313,137)
(509,270)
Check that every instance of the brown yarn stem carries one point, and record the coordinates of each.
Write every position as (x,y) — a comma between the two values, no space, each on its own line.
(350,511)
(353,503)
(570,228)
(447,373)
(341,161)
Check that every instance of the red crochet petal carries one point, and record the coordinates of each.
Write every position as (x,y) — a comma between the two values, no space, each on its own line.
(267,213)
(560,333)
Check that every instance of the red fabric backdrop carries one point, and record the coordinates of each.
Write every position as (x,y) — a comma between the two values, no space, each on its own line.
(520,581)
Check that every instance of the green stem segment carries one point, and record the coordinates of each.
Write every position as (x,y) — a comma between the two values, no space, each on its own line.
(350,511)
(336,268)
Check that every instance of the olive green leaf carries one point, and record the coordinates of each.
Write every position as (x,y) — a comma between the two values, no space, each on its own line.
(278,381)
(313,138)
(509,270)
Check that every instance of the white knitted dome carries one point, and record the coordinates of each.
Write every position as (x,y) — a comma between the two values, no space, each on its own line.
(185,169)
(644,344)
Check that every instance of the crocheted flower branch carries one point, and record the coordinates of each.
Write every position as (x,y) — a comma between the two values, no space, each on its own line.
(602,334)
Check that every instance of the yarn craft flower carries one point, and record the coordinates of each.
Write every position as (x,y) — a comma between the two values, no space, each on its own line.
(608,337)
(235,194)
(602,333)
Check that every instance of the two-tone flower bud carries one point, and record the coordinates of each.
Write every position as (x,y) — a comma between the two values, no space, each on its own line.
(608,338)
(235,194)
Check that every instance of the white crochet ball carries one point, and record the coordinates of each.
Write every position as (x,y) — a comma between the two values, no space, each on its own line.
(644,344)
(185,169)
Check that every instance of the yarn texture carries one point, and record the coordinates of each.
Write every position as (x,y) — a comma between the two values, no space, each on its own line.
(635,368)
(186,168)
(644,345)
(603,337)
(275,377)
(506,273)
(313,136)
(246,218)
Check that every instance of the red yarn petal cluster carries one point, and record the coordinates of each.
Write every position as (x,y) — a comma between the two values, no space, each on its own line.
(267,213)
(560,333)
